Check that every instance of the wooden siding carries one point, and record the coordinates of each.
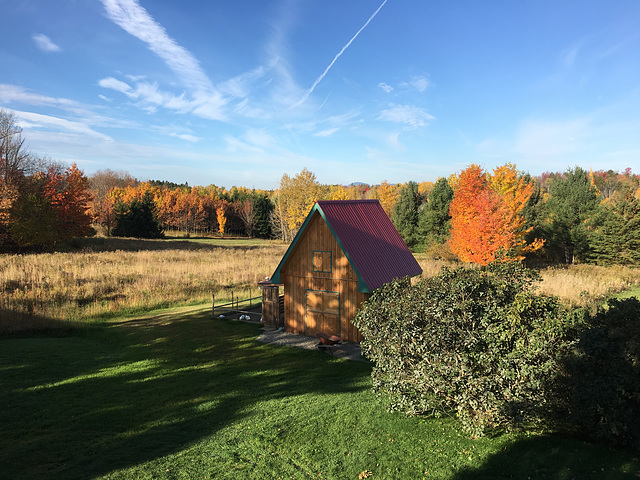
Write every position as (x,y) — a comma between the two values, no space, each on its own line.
(323,287)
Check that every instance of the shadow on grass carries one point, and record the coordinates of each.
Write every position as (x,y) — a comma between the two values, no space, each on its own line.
(111,244)
(19,324)
(119,395)
(553,457)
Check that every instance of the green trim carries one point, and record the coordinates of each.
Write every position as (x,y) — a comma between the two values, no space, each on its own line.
(306,292)
(275,278)
(313,263)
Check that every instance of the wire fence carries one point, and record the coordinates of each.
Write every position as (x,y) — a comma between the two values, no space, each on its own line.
(236,306)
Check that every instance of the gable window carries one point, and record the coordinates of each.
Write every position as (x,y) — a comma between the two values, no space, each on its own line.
(321,261)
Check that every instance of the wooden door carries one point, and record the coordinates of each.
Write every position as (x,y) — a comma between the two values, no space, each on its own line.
(271,306)
(322,312)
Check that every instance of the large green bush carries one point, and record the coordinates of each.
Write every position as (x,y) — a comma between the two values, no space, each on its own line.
(477,342)
(598,394)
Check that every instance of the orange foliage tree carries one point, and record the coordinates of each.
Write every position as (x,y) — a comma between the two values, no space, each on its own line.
(486,215)
(69,195)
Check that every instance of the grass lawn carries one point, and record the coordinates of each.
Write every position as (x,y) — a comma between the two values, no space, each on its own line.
(176,394)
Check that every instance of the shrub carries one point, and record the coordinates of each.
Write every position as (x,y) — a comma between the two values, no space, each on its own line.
(477,342)
(599,393)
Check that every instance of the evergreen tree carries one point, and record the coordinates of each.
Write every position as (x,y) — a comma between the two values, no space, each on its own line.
(263,208)
(137,219)
(617,229)
(573,200)
(433,218)
(405,213)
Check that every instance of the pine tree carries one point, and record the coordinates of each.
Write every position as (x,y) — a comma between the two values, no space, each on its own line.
(137,219)
(434,219)
(405,213)
(573,201)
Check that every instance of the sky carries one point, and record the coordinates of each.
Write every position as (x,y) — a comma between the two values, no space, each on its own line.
(240,92)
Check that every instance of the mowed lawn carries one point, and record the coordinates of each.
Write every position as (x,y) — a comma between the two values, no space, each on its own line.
(177,394)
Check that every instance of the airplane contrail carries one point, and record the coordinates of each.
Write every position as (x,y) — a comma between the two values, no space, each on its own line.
(326,70)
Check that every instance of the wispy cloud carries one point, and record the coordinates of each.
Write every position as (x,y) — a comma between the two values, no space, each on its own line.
(36,120)
(13,93)
(206,101)
(326,70)
(44,43)
(326,133)
(420,83)
(385,87)
(407,114)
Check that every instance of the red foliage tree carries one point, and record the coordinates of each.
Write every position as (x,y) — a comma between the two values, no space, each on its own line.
(486,215)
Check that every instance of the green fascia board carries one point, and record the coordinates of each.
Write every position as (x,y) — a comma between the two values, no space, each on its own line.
(275,278)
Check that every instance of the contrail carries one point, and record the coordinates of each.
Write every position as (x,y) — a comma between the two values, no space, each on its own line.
(326,70)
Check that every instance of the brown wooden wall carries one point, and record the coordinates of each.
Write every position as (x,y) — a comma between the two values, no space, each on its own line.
(305,304)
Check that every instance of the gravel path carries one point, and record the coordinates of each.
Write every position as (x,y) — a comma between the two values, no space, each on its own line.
(347,350)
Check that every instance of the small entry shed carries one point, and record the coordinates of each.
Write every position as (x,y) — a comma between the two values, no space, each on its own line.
(344,250)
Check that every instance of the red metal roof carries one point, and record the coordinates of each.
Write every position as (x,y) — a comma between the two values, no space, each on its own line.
(370,241)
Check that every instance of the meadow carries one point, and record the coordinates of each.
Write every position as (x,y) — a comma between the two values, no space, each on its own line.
(106,277)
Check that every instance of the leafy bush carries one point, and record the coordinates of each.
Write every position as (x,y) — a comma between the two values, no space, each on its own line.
(599,394)
(477,342)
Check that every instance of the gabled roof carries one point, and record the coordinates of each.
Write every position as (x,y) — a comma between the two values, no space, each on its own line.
(368,239)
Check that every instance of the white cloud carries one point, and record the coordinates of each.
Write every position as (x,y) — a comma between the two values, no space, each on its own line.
(13,93)
(116,85)
(326,133)
(44,43)
(419,82)
(407,114)
(206,101)
(36,120)
(135,20)
(387,88)
(187,137)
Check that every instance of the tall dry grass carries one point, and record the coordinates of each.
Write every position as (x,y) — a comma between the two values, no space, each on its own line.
(85,285)
(576,285)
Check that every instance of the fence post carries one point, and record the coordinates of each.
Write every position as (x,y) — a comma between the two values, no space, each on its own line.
(213,305)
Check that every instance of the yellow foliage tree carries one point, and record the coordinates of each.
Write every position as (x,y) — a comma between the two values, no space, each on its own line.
(294,200)
(388,196)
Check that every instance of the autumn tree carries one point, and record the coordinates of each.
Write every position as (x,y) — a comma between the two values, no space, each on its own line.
(69,195)
(387,196)
(101,182)
(486,218)
(294,200)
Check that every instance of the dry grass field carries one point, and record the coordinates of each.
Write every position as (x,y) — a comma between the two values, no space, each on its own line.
(109,277)
(87,285)
(576,285)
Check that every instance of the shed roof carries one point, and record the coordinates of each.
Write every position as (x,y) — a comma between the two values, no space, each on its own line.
(368,239)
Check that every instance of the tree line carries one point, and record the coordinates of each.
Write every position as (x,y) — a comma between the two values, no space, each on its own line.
(473,215)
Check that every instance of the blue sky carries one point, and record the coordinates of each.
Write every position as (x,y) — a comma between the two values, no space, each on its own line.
(239,92)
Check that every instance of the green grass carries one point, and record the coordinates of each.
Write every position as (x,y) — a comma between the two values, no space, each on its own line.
(631,292)
(176,394)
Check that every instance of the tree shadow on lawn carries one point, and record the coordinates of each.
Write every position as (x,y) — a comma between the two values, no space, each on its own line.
(120,395)
(554,457)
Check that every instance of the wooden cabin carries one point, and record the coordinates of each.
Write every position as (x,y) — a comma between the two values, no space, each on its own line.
(343,251)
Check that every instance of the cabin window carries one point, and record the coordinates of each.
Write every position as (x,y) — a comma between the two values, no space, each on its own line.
(321,261)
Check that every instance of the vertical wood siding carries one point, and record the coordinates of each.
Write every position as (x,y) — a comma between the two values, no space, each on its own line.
(300,277)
